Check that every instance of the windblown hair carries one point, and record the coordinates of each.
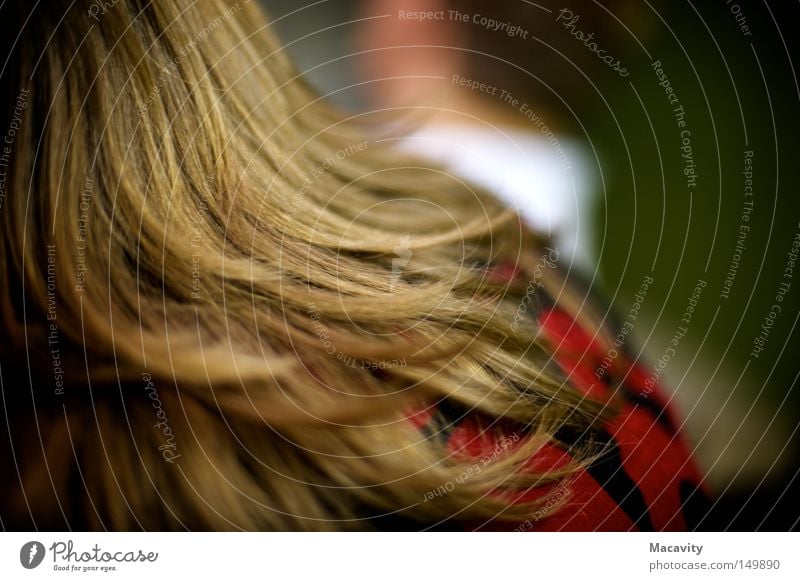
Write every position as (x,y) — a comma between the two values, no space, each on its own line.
(223,298)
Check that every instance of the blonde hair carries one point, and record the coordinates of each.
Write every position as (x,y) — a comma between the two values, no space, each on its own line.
(225,297)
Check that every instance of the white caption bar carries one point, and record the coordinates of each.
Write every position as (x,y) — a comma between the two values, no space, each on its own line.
(401,556)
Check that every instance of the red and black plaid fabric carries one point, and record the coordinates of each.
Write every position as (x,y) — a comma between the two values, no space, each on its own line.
(644,478)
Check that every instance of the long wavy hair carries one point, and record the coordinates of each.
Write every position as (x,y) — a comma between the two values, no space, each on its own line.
(222,298)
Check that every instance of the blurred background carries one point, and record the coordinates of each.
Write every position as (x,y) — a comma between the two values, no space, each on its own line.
(651,140)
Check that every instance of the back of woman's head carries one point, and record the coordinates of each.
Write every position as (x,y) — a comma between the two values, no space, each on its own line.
(223,298)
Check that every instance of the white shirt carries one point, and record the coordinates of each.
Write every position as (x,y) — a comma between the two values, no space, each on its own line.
(553,191)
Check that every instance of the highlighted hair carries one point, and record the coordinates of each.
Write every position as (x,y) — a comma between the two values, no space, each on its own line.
(206,321)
